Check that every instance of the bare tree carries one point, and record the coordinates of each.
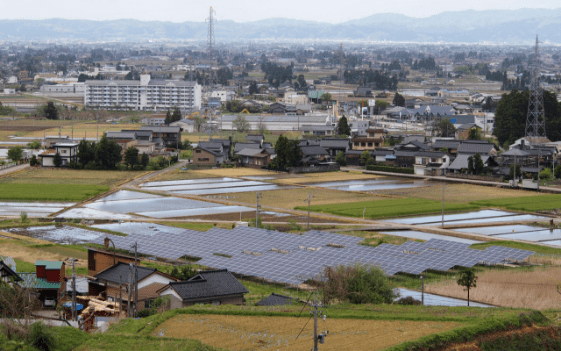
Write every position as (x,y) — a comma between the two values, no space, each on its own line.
(241,124)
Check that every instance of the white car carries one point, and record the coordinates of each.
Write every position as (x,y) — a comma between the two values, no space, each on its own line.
(49,302)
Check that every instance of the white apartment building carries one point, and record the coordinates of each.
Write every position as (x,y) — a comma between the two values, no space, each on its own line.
(145,94)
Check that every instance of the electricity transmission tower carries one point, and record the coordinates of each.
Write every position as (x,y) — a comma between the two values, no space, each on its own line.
(210,35)
(535,121)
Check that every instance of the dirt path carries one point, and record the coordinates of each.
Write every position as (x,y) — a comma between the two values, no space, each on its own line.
(13,169)
(143,179)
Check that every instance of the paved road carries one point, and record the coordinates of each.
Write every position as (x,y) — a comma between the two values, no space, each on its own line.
(14,169)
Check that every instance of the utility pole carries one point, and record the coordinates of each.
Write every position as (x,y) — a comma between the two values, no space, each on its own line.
(443,189)
(129,311)
(257,211)
(422,291)
(539,156)
(317,337)
(72,260)
(135,279)
(310,196)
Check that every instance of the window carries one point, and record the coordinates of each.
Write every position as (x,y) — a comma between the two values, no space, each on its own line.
(362,144)
(198,151)
(203,159)
(370,144)
(356,144)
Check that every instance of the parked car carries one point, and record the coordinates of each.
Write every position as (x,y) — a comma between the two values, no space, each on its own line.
(49,302)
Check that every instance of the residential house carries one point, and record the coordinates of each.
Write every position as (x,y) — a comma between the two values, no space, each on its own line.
(280,108)
(353,157)
(359,127)
(313,154)
(226,145)
(451,145)
(380,155)
(319,130)
(278,300)
(454,94)
(67,151)
(432,163)
(155,120)
(405,153)
(461,162)
(50,140)
(217,287)
(255,157)
(374,138)
(334,146)
(210,154)
(48,281)
(114,282)
(99,260)
(7,274)
(259,139)
(482,147)
(164,136)
(186,125)
(462,132)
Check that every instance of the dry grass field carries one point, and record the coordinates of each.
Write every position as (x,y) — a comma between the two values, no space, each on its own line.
(325,177)
(32,250)
(81,130)
(69,176)
(533,288)
(235,172)
(290,198)
(459,193)
(279,333)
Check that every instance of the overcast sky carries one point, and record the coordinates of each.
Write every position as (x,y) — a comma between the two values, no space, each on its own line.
(247,10)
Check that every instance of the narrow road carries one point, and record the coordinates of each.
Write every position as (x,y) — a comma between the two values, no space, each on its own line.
(144,178)
(14,169)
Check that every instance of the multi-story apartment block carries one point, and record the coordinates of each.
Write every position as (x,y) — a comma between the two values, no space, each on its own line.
(145,94)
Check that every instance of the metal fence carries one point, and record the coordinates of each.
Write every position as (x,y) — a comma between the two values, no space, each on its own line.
(8,165)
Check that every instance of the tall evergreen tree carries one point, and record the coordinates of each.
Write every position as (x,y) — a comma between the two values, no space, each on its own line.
(343,126)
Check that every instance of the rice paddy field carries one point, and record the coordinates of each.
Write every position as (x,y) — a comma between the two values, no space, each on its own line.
(280,333)
(462,193)
(69,176)
(325,177)
(52,192)
(389,208)
(528,203)
(291,198)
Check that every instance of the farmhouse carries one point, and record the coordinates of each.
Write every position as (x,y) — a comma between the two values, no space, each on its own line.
(67,151)
(218,287)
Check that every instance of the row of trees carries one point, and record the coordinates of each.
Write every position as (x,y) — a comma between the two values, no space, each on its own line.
(173,116)
(288,154)
(511,113)
(382,80)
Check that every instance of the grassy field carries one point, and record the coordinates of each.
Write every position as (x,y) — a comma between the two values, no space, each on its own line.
(291,198)
(234,172)
(389,208)
(103,342)
(528,203)
(461,193)
(280,333)
(69,177)
(52,192)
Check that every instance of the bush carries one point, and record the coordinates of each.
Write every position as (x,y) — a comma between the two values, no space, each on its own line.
(146,313)
(408,301)
(408,170)
(41,337)
(546,174)
(357,284)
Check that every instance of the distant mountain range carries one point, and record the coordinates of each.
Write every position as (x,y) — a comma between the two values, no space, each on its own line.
(490,26)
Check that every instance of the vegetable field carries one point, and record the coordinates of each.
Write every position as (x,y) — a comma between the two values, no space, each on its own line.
(281,333)
(389,208)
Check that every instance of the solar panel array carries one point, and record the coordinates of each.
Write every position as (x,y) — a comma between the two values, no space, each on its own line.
(293,259)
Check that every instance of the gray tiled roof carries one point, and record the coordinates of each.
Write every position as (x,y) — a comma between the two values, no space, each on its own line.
(209,284)
(430,154)
(449,144)
(335,143)
(121,271)
(277,300)
(461,162)
(240,146)
(157,129)
(254,138)
(475,147)
(313,150)
(399,153)
(121,135)
(249,152)
(211,145)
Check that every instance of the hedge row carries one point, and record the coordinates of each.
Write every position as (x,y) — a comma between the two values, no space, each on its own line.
(408,170)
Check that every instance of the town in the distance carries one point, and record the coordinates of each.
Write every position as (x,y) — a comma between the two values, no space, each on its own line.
(245,193)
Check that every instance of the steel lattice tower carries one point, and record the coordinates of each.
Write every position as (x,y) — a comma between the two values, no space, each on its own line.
(210,36)
(535,121)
